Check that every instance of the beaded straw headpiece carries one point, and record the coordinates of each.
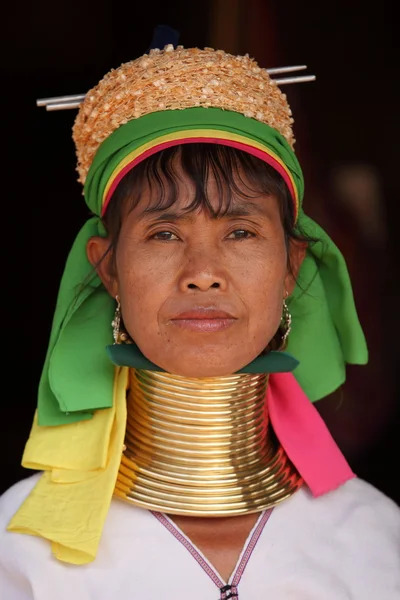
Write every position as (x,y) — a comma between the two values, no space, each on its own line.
(167,98)
(174,80)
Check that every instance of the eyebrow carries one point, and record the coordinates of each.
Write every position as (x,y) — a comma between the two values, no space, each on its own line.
(240,210)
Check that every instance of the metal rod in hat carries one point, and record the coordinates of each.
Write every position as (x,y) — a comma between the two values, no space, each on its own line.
(71,102)
(76,99)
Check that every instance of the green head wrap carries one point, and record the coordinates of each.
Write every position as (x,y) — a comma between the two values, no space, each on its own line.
(78,376)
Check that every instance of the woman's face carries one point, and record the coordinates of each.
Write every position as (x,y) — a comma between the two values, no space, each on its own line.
(200,296)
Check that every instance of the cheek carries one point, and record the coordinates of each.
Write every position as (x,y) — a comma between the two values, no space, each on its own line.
(265,291)
(143,287)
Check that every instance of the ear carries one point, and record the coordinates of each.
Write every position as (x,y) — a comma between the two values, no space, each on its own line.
(297,253)
(100,256)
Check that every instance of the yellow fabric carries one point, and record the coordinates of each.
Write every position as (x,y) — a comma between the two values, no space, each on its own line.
(69,504)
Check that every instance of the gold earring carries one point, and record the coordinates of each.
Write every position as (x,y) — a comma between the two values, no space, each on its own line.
(120,337)
(279,341)
(286,323)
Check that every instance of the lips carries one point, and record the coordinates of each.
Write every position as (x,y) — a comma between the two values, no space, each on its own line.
(204,313)
(204,320)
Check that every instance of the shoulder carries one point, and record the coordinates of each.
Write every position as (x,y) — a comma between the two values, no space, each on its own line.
(10,501)
(360,500)
(12,498)
(364,513)
(352,532)
(365,493)
(15,548)
(356,521)
(356,503)
(355,518)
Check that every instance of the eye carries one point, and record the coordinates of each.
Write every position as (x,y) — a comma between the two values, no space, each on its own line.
(240,234)
(165,236)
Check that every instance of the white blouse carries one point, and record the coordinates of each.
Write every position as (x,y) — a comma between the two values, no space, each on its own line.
(342,546)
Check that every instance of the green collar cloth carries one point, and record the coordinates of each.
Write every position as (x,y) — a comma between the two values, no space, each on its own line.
(77,376)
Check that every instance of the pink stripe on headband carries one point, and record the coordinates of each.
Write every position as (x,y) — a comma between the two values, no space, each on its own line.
(264,156)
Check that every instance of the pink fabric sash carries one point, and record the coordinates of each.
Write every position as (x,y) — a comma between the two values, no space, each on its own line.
(304,436)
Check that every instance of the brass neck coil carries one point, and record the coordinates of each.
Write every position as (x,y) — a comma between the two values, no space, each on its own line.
(202,447)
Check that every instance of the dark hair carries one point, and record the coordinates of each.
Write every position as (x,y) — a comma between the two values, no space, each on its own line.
(236,173)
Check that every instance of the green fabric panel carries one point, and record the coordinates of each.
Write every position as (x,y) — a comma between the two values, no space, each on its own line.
(76,364)
(326,332)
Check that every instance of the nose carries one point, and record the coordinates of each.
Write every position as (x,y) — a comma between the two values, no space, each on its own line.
(202,273)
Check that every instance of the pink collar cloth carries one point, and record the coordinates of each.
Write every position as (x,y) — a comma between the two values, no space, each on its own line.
(304,436)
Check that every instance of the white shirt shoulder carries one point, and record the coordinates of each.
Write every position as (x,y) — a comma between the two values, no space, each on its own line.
(344,545)
(346,541)
(14,577)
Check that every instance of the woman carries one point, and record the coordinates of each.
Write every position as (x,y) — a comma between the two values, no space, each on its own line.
(186,459)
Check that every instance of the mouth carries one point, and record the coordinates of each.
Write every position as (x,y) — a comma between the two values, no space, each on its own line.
(204,320)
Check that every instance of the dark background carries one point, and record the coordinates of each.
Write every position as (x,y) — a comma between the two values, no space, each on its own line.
(348,130)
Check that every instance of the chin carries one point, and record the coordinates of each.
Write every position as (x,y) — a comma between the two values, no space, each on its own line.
(204,364)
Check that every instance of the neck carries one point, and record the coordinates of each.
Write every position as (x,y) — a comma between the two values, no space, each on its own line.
(202,447)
